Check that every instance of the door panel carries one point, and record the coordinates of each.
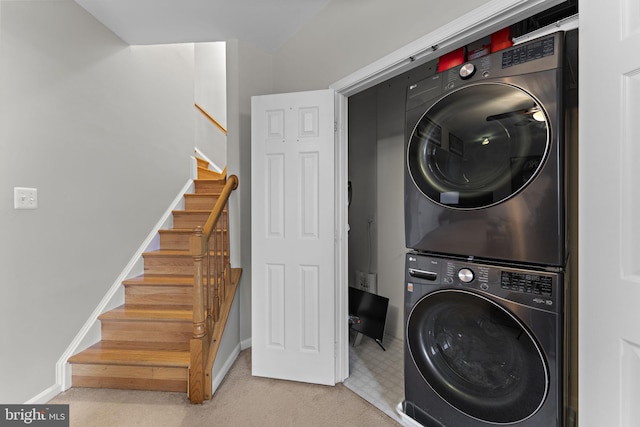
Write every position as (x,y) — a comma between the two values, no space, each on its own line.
(477,356)
(470,153)
(293,279)
(609,263)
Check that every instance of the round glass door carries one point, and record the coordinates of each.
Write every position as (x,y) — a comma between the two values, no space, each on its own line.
(478,146)
(477,356)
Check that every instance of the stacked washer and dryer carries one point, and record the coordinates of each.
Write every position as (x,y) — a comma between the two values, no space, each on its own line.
(486,208)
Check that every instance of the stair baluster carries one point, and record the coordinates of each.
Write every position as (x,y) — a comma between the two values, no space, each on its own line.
(210,279)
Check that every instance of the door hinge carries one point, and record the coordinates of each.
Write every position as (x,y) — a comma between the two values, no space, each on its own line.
(335,126)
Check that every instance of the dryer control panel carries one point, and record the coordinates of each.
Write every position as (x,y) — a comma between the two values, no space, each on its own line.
(529,52)
(544,53)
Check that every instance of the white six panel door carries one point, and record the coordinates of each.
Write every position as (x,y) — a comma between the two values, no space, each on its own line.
(609,260)
(292,220)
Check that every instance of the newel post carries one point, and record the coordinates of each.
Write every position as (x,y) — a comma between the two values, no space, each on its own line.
(196,369)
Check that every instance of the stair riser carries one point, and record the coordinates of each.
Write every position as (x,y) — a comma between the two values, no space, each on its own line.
(146,331)
(204,173)
(174,241)
(209,186)
(130,377)
(200,201)
(178,267)
(159,295)
(189,220)
(202,163)
(178,241)
(169,265)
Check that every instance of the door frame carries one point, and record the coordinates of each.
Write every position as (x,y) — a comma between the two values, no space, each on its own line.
(472,26)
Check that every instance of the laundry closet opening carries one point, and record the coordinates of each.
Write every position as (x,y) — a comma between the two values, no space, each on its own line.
(376,231)
(376,162)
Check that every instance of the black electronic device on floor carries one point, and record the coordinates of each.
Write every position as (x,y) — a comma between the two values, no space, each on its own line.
(368,313)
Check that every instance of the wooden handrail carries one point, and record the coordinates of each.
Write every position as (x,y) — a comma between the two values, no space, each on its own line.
(212,276)
(232,184)
(211,119)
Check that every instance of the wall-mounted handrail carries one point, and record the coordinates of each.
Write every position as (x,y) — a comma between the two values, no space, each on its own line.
(211,119)
(209,247)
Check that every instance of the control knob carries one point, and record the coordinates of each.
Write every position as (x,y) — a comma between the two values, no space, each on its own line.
(467,71)
(465,275)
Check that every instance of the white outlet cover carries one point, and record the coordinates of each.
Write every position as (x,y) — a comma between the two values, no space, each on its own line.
(25,198)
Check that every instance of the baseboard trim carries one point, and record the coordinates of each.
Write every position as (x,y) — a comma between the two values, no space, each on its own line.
(217,380)
(245,344)
(45,396)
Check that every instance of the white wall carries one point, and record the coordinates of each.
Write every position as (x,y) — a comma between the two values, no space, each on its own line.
(104,131)
(376,167)
(363,137)
(390,207)
(348,35)
(248,74)
(211,79)
(211,95)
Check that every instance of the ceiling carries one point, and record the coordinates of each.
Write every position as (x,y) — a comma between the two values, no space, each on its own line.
(267,24)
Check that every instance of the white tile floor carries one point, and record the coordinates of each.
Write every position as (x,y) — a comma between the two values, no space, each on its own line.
(377,375)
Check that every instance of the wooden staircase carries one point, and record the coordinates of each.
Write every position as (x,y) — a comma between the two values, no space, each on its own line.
(146,342)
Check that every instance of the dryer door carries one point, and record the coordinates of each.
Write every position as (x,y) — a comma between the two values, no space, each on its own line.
(478,145)
(477,356)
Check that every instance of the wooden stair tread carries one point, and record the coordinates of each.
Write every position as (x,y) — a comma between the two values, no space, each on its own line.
(102,353)
(171,253)
(206,173)
(167,313)
(194,211)
(168,252)
(161,280)
(209,180)
(144,345)
(158,280)
(180,231)
(185,279)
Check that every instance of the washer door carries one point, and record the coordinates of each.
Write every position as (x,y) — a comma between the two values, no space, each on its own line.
(477,356)
(478,146)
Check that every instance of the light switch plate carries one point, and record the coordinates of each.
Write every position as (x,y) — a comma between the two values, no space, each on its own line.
(25,198)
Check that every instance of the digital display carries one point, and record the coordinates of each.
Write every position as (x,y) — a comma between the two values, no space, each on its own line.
(528,52)
(535,284)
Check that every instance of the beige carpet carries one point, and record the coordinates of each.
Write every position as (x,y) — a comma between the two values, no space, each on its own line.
(241,400)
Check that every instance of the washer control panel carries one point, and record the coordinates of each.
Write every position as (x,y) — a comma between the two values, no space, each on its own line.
(535,288)
(529,283)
